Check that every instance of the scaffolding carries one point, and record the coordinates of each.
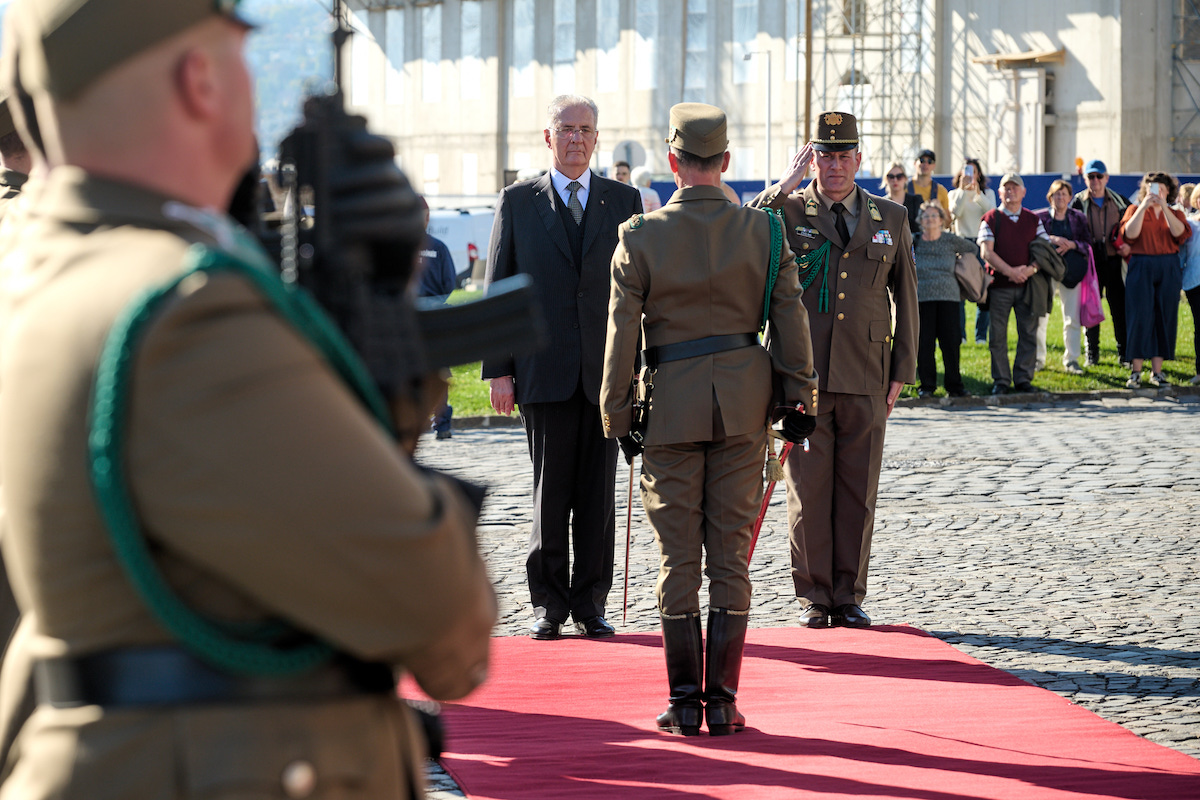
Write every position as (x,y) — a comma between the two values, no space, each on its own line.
(1185,87)
(877,63)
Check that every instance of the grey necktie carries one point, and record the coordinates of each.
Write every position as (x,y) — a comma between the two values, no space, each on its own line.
(573,204)
(840,222)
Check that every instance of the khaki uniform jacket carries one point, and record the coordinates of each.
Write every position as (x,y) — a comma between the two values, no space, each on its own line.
(263,486)
(698,267)
(855,347)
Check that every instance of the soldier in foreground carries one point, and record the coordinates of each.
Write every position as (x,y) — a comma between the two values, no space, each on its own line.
(700,270)
(226,557)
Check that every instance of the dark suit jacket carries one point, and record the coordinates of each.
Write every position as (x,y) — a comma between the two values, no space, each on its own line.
(528,236)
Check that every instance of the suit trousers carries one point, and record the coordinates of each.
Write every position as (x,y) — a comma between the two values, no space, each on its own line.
(701,499)
(831,493)
(1002,303)
(940,324)
(1110,272)
(574,481)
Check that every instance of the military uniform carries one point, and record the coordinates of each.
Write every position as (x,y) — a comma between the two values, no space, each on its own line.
(697,268)
(267,497)
(852,290)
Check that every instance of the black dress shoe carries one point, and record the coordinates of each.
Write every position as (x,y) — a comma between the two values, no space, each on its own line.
(1027,388)
(545,628)
(925,392)
(959,393)
(815,615)
(999,388)
(849,616)
(595,628)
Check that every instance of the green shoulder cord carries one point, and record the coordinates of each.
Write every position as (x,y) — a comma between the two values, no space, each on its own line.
(775,218)
(221,645)
(815,261)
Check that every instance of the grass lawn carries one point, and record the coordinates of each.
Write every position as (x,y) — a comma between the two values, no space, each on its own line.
(469,394)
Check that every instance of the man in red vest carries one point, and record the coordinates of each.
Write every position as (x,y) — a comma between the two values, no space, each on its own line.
(1004,237)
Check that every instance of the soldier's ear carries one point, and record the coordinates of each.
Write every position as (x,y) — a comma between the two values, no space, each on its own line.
(196,83)
(725,162)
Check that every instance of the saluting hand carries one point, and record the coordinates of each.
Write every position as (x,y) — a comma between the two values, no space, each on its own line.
(797,169)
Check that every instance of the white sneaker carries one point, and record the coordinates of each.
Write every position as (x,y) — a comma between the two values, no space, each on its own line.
(1135,381)
(1159,379)
(1072,368)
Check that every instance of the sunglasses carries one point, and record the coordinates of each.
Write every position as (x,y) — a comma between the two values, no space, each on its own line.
(897,177)
(927,161)
(1094,176)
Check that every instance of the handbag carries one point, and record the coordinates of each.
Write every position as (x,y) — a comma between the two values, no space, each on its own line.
(973,279)
(1091,312)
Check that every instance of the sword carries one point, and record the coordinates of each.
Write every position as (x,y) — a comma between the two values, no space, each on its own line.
(628,528)
(762,512)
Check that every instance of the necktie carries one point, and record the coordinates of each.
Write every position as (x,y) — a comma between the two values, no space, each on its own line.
(573,204)
(840,222)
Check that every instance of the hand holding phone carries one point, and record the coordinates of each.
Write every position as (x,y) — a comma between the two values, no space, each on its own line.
(1156,189)
(969,171)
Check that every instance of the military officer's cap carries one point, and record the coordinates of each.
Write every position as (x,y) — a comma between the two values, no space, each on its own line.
(836,131)
(699,129)
(67,44)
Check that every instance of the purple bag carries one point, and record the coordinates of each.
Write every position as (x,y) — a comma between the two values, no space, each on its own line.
(1091,312)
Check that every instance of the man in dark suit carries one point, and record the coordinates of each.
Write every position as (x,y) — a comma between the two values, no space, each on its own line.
(561,229)
(855,252)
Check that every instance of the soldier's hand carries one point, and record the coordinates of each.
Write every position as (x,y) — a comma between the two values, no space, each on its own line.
(629,447)
(793,423)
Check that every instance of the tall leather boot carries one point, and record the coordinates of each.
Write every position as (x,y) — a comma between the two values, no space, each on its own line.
(726,638)
(685,668)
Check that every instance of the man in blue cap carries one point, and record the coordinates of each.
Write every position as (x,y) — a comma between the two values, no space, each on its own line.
(1104,208)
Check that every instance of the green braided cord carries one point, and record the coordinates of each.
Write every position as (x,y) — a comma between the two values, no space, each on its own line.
(819,260)
(211,641)
(776,219)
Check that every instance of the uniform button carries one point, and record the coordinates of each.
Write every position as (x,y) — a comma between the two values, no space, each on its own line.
(580,294)
(887,338)
(575,325)
(845,255)
(843,275)
(299,779)
(885,259)
(841,315)
(841,295)
(806,246)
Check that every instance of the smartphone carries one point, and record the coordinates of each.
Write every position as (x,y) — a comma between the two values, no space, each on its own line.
(969,171)
(1156,188)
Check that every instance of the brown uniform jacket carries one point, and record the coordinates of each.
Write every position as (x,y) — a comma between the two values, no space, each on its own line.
(263,487)
(697,267)
(855,347)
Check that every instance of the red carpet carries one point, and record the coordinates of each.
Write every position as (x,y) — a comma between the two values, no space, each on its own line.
(883,713)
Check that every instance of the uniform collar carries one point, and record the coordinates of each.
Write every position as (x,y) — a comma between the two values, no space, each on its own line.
(850,201)
(698,193)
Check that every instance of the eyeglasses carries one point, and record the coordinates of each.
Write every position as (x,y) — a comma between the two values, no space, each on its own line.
(1094,176)
(569,131)
(898,177)
(927,161)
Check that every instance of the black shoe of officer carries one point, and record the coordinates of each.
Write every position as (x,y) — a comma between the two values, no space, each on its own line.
(815,615)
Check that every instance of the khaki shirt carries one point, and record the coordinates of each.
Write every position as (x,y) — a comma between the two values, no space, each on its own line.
(697,267)
(856,348)
(264,487)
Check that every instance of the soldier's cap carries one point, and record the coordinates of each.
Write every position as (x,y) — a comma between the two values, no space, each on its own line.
(1095,166)
(836,131)
(699,129)
(67,44)
(1012,177)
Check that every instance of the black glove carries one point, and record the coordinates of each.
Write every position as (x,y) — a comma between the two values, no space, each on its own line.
(630,447)
(793,423)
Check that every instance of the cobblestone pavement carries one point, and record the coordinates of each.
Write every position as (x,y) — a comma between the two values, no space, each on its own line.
(1058,541)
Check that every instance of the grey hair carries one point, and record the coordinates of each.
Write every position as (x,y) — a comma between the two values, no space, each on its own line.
(640,176)
(565,101)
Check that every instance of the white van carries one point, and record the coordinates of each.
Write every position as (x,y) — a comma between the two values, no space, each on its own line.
(466,232)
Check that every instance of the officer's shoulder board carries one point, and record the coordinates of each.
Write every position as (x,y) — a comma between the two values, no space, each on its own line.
(636,221)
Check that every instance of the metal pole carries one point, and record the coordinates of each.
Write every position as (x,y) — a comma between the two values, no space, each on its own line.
(808,53)
(767,179)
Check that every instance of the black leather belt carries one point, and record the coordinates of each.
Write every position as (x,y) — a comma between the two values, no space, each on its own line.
(698,347)
(158,676)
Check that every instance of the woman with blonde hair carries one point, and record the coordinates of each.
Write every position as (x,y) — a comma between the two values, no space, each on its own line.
(894,185)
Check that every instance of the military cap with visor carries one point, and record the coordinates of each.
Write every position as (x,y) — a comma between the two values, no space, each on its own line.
(699,129)
(65,45)
(836,131)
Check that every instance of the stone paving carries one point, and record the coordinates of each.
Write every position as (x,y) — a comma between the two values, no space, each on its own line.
(1057,540)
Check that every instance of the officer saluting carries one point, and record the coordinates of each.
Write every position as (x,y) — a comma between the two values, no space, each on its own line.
(698,270)
(224,556)
(855,257)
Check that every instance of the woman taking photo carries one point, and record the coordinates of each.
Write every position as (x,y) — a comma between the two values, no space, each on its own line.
(1071,237)
(935,252)
(970,199)
(894,182)
(1154,231)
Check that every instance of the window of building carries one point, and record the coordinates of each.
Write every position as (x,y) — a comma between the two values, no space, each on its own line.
(564,46)
(360,57)
(695,82)
(522,51)
(431,53)
(645,66)
(608,40)
(393,54)
(470,62)
(910,36)
(745,36)
(854,17)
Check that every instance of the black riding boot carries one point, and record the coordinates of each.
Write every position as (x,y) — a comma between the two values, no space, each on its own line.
(685,667)
(726,638)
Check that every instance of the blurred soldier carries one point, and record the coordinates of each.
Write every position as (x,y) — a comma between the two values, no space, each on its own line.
(855,257)
(561,229)
(224,555)
(698,270)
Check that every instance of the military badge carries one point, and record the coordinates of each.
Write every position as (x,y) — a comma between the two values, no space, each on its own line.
(874,209)
(833,119)
(882,237)
(811,207)
(807,233)
(636,221)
